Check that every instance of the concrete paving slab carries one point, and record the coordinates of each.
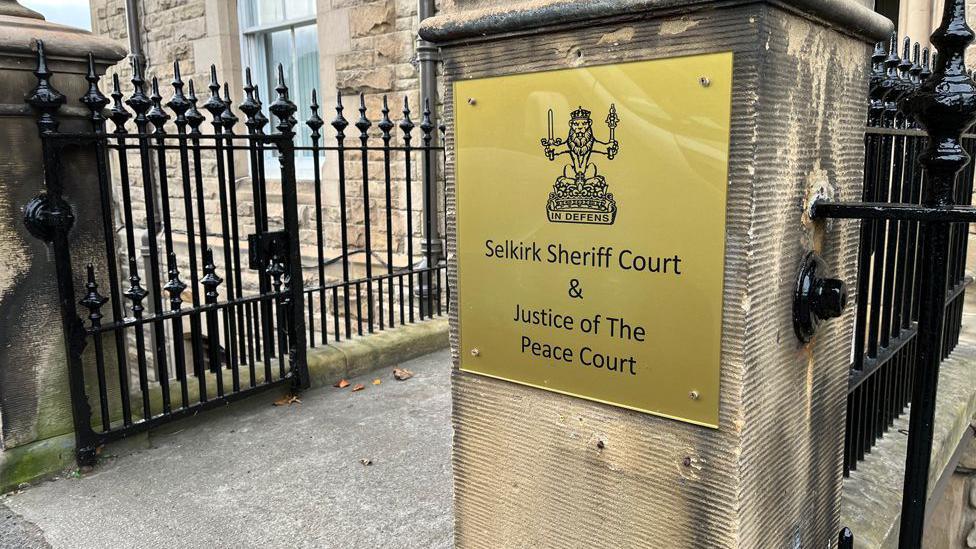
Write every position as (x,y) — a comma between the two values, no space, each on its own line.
(255,475)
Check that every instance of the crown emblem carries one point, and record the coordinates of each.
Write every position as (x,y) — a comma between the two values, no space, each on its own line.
(580,114)
(581,194)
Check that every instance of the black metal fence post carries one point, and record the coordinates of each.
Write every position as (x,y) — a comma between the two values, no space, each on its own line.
(49,217)
(944,106)
(284,110)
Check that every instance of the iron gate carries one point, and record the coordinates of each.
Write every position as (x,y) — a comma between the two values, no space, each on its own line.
(189,321)
(912,254)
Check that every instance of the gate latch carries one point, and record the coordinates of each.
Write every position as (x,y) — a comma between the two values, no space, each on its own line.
(261,247)
(816,297)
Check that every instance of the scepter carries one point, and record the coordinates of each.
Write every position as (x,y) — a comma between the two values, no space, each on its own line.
(612,121)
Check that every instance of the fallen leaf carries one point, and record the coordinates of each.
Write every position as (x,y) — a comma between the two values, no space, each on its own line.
(366,461)
(377,381)
(402,374)
(342,384)
(358,387)
(287,400)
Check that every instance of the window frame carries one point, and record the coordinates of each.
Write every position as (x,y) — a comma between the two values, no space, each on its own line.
(255,40)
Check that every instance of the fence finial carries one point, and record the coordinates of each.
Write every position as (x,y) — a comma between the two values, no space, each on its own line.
(119,114)
(260,119)
(283,108)
(228,117)
(139,101)
(156,114)
(363,124)
(906,54)
(406,125)
(249,106)
(385,125)
(926,66)
(193,116)
(135,292)
(916,69)
(214,105)
(174,286)
(876,89)
(179,103)
(45,98)
(93,301)
(94,99)
(339,122)
(210,279)
(426,125)
(314,122)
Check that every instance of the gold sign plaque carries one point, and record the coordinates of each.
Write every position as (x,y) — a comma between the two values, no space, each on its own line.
(591,231)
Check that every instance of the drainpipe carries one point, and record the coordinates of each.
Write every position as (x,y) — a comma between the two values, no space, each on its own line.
(427,58)
(134,27)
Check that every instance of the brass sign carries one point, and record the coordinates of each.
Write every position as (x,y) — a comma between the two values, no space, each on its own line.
(591,231)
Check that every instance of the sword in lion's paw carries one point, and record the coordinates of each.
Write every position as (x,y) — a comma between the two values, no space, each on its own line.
(612,121)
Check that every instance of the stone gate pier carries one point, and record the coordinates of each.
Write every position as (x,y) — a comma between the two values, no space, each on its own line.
(647,387)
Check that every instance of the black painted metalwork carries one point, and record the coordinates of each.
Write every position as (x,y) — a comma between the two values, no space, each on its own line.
(203,299)
(914,240)
(816,297)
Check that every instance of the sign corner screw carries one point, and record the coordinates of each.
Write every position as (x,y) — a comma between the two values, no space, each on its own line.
(704,81)
(475,352)
(694,395)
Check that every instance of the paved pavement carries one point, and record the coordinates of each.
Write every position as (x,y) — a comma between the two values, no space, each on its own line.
(255,475)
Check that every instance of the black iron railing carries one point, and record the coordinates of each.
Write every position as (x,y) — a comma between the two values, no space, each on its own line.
(206,283)
(915,212)
(887,304)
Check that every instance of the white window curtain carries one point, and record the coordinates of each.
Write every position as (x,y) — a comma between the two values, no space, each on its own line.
(283,31)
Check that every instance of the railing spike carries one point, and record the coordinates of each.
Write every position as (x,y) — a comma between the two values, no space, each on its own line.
(92,300)
(193,115)
(174,286)
(249,106)
(339,122)
(426,125)
(363,124)
(406,125)
(385,125)
(118,114)
(259,118)
(45,98)
(314,122)
(283,108)
(178,103)
(228,117)
(214,105)
(156,114)
(93,98)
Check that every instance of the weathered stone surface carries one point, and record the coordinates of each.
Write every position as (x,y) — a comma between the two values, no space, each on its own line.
(526,472)
(368,18)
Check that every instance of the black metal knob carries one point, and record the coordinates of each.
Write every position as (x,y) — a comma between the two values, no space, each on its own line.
(816,297)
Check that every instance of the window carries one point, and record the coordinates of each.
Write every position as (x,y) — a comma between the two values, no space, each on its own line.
(283,31)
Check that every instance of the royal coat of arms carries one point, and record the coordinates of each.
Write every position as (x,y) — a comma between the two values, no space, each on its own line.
(580,193)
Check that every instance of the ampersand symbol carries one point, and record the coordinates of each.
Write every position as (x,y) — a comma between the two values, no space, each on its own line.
(574,290)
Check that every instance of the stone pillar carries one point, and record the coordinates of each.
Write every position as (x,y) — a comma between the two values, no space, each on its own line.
(540,469)
(34,400)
